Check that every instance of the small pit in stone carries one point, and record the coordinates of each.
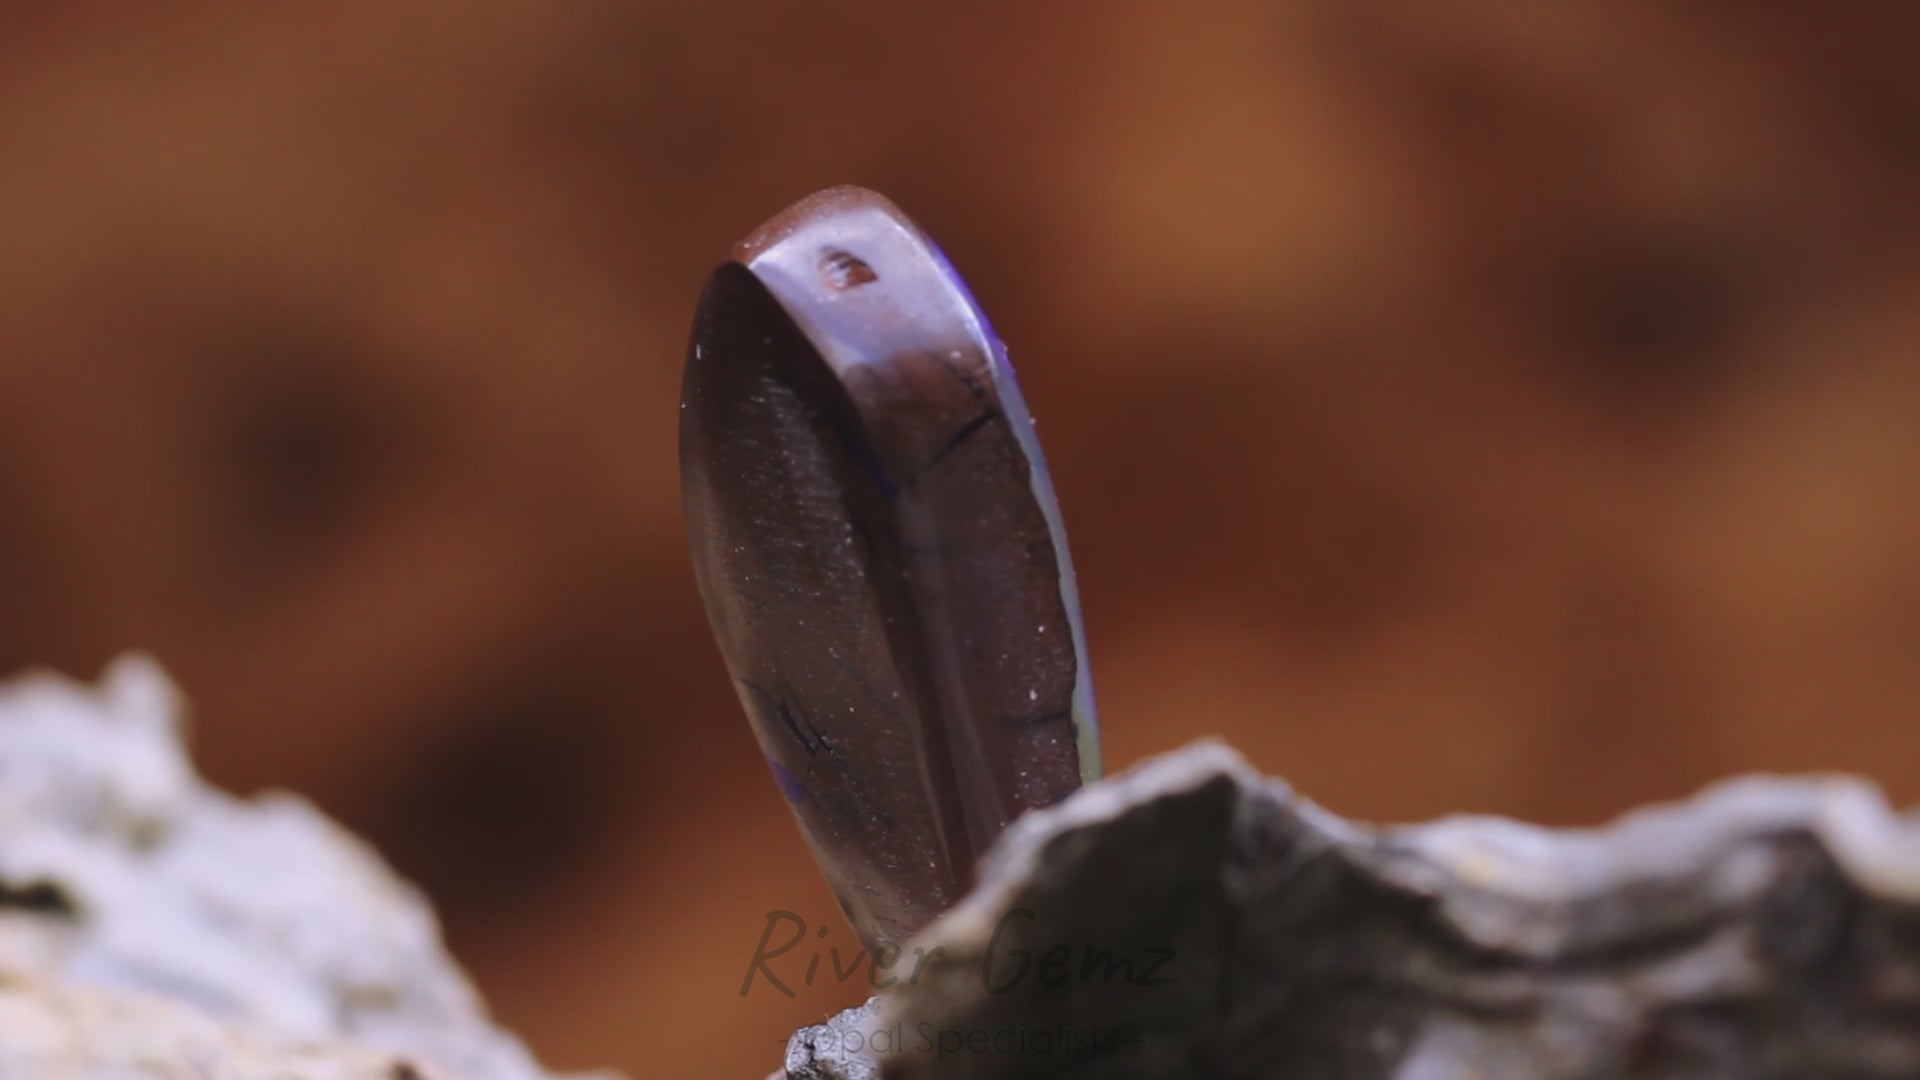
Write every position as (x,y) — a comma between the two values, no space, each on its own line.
(845,270)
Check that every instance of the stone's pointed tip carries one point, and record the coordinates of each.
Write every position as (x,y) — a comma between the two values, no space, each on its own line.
(819,206)
(845,194)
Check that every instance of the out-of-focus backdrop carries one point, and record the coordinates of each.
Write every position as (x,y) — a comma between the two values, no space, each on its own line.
(1457,406)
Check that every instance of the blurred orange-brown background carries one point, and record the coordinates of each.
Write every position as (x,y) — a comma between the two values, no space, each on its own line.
(1458,406)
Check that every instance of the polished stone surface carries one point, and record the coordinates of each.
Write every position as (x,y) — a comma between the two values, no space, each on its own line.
(880,553)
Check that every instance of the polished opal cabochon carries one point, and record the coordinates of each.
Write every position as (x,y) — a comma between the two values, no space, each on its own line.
(881,555)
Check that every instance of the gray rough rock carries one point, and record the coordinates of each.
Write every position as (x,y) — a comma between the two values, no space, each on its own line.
(152,926)
(1191,919)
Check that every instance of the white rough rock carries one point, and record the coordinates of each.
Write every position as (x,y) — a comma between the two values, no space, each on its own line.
(152,926)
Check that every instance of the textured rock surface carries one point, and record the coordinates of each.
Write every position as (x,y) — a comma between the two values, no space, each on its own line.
(152,926)
(1190,918)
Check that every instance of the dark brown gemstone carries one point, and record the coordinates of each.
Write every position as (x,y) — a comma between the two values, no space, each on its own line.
(881,557)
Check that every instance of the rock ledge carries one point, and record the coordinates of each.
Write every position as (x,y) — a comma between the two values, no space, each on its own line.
(153,926)
(1191,918)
